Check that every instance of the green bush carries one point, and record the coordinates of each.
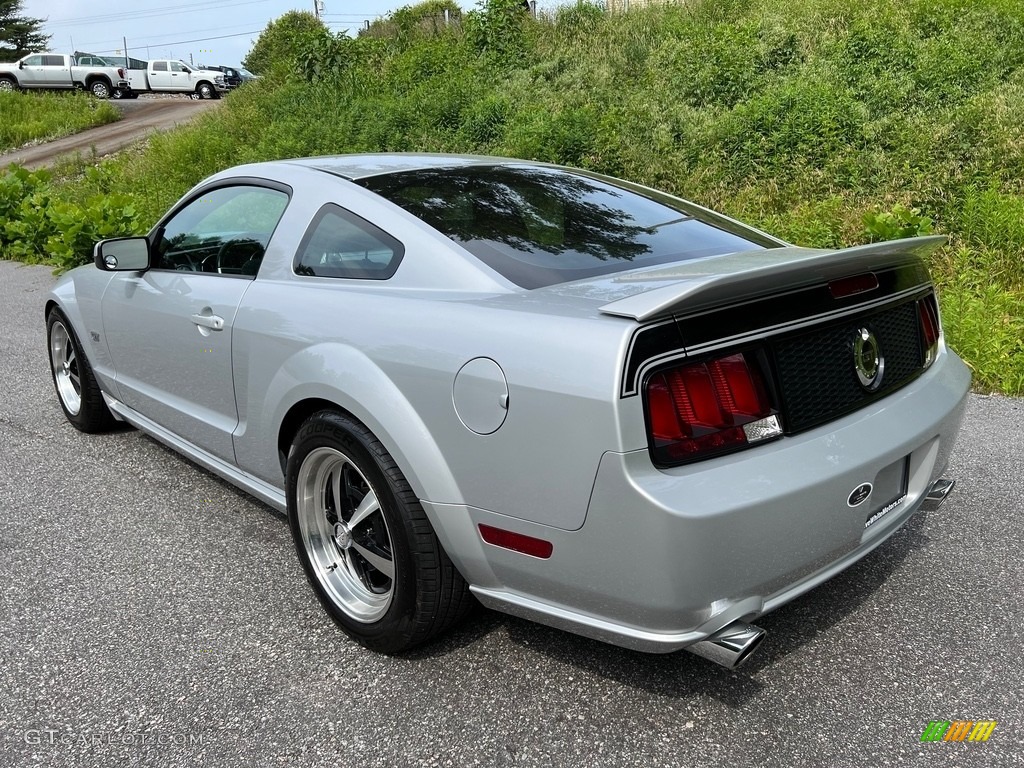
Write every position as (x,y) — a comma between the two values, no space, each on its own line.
(35,226)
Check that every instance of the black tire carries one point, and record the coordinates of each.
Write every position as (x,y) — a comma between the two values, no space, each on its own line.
(424,595)
(8,85)
(77,391)
(100,89)
(205,91)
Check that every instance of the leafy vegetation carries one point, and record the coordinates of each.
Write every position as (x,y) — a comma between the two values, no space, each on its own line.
(36,226)
(826,122)
(37,116)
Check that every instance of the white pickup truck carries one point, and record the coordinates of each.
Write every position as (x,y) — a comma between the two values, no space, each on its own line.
(58,70)
(171,76)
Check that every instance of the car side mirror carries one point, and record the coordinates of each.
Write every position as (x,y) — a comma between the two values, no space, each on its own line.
(21,65)
(122,254)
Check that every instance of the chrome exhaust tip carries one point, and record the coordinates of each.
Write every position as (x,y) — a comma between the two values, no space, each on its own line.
(937,494)
(731,645)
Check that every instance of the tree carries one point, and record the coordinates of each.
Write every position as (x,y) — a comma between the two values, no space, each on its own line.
(283,41)
(19,34)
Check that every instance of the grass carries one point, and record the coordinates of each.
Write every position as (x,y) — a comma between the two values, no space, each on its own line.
(35,116)
(803,117)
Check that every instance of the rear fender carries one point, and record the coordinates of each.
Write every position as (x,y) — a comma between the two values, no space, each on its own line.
(341,375)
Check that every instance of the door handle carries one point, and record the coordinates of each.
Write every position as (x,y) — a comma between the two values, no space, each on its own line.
(214,322)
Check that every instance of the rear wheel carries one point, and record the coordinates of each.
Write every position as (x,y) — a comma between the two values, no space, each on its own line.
(366,545)
(79,394)
(100,89)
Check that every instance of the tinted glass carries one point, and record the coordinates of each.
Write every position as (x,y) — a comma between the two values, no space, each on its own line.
(340,244)
(53,61)
(541,226)
(224,231)
(159,66)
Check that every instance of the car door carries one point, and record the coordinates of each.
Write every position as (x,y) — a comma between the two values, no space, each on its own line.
(159,75)
(168,329)
(31,74)
(56,72)
(181,76)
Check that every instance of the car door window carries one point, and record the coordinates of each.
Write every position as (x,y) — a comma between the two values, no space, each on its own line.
(53,61)
(340,244)
(223,231)
(159,66)
(176,67)
(33,61)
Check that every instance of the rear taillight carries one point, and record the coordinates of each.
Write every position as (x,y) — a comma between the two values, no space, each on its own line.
(709,408)
(928,319)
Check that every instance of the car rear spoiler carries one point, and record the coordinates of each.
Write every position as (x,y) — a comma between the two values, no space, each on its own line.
(705,283)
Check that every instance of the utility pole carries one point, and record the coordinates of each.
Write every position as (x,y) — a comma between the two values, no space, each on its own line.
(318,8)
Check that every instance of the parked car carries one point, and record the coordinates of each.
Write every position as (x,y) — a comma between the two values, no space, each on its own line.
(232,77)
(55,71)
(583,401)
(246,75)
(172,76)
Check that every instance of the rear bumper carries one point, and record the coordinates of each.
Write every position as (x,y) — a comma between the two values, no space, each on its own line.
(668,557)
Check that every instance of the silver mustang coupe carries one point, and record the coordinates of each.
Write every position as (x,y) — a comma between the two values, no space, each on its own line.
(576,399)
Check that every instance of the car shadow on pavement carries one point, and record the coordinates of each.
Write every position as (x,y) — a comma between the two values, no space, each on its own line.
(683,675)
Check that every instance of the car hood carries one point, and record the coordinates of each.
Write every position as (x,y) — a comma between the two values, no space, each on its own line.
(644,294)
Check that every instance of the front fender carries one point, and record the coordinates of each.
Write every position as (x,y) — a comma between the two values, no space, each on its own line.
(77,294)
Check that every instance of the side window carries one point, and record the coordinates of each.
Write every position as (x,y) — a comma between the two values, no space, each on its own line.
(340,244)
(176,67)
(224,231)
(33,61)
(53,61)
(159,66)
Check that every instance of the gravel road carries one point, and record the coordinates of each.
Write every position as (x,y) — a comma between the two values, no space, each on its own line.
(153,615)
(142,116)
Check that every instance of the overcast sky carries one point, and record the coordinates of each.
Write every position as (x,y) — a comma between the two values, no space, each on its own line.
(211,31)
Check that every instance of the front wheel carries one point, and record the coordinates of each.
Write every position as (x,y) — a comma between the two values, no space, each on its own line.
(7,85)
(79,394)
(205,91)
(366,545)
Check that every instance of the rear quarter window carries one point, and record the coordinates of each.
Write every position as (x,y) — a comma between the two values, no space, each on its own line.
(340,244)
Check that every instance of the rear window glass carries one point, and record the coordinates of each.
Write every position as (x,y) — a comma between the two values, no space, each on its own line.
(542,226)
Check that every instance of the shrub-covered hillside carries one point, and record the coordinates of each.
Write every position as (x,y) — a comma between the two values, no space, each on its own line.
(823,121)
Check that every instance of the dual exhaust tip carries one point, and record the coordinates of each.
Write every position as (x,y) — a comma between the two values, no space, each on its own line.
(733,644)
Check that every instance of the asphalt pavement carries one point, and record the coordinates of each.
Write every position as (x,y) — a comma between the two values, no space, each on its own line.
(152,615)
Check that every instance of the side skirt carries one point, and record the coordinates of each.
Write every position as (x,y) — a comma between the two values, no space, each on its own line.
(265,492)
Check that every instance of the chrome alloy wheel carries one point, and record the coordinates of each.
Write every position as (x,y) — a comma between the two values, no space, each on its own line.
(65,368)
(345,535)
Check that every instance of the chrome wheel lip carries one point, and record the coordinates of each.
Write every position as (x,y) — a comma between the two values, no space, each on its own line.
(330,546)
(66,371)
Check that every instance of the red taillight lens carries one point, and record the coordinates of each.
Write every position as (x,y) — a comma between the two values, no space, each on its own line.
(706,408)
(928,317)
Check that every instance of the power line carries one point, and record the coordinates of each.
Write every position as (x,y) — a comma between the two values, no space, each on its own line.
(156,40)
(140,14)
(181,42)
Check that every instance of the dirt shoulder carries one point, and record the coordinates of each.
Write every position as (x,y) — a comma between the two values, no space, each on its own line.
(141,117)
